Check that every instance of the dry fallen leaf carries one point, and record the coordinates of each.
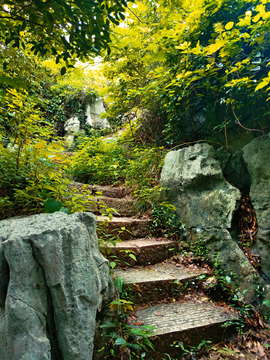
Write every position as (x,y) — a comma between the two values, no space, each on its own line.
(261,351)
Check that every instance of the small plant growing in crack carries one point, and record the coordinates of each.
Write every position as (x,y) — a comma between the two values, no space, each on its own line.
(124,340)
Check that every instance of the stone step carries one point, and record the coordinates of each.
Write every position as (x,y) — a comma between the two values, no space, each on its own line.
(123,206)
(147,251)
(126,228)
(107,191)
(156,283)
(188,323)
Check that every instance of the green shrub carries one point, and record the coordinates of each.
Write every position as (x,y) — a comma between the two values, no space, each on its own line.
(109,161)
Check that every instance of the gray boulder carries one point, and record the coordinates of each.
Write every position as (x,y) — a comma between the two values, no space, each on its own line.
(71,127)
(234,169)
(205,202)
(203,198)
(54,280)
(257,158)
(92,115)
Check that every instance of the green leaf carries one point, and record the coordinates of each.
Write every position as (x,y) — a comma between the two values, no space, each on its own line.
(65,210)
(135,346)
(148,343)
(229,25)
(112,264)
(266,302)
(257,68)
(120,341)
(110,216)
(119,284)
(63,70)
(2,93)
(51,206)
(108,324)
(132,256)
(261,85)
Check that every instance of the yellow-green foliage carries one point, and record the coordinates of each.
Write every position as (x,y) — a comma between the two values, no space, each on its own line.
(187,60)
(32,168)
(111,161)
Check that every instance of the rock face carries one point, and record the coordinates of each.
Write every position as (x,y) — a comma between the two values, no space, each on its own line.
(205,203)
(198,189)
(234,169)
(257,158)
(72,126)
(54,280)
(92,115)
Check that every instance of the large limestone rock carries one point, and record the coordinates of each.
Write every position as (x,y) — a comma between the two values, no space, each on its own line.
(234,169)
(197,188)
(205,203)
(53,282)
(257,158)
(71,126)
(92,115)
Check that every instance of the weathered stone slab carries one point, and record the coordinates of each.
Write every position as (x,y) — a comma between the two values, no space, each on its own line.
(156,282)
(147,251)
(205,202)
(257,158)
(57,282)
(188,323)
(134,228)
(124,207)
(96,190)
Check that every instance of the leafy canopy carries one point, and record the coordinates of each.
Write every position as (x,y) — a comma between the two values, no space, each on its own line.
(65,29)
(191,68)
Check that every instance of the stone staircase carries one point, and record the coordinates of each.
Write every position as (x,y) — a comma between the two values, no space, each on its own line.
(156,282)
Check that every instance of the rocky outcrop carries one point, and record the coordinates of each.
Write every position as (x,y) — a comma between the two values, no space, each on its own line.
(234,169)
(203,198)
(205,202)
(92,115)
(257,158)
(54,280)
(71,126)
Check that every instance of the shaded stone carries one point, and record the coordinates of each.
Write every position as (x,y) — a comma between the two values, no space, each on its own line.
(257,158)
(223,249)
(72,125)
(234,169)
(58,281)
